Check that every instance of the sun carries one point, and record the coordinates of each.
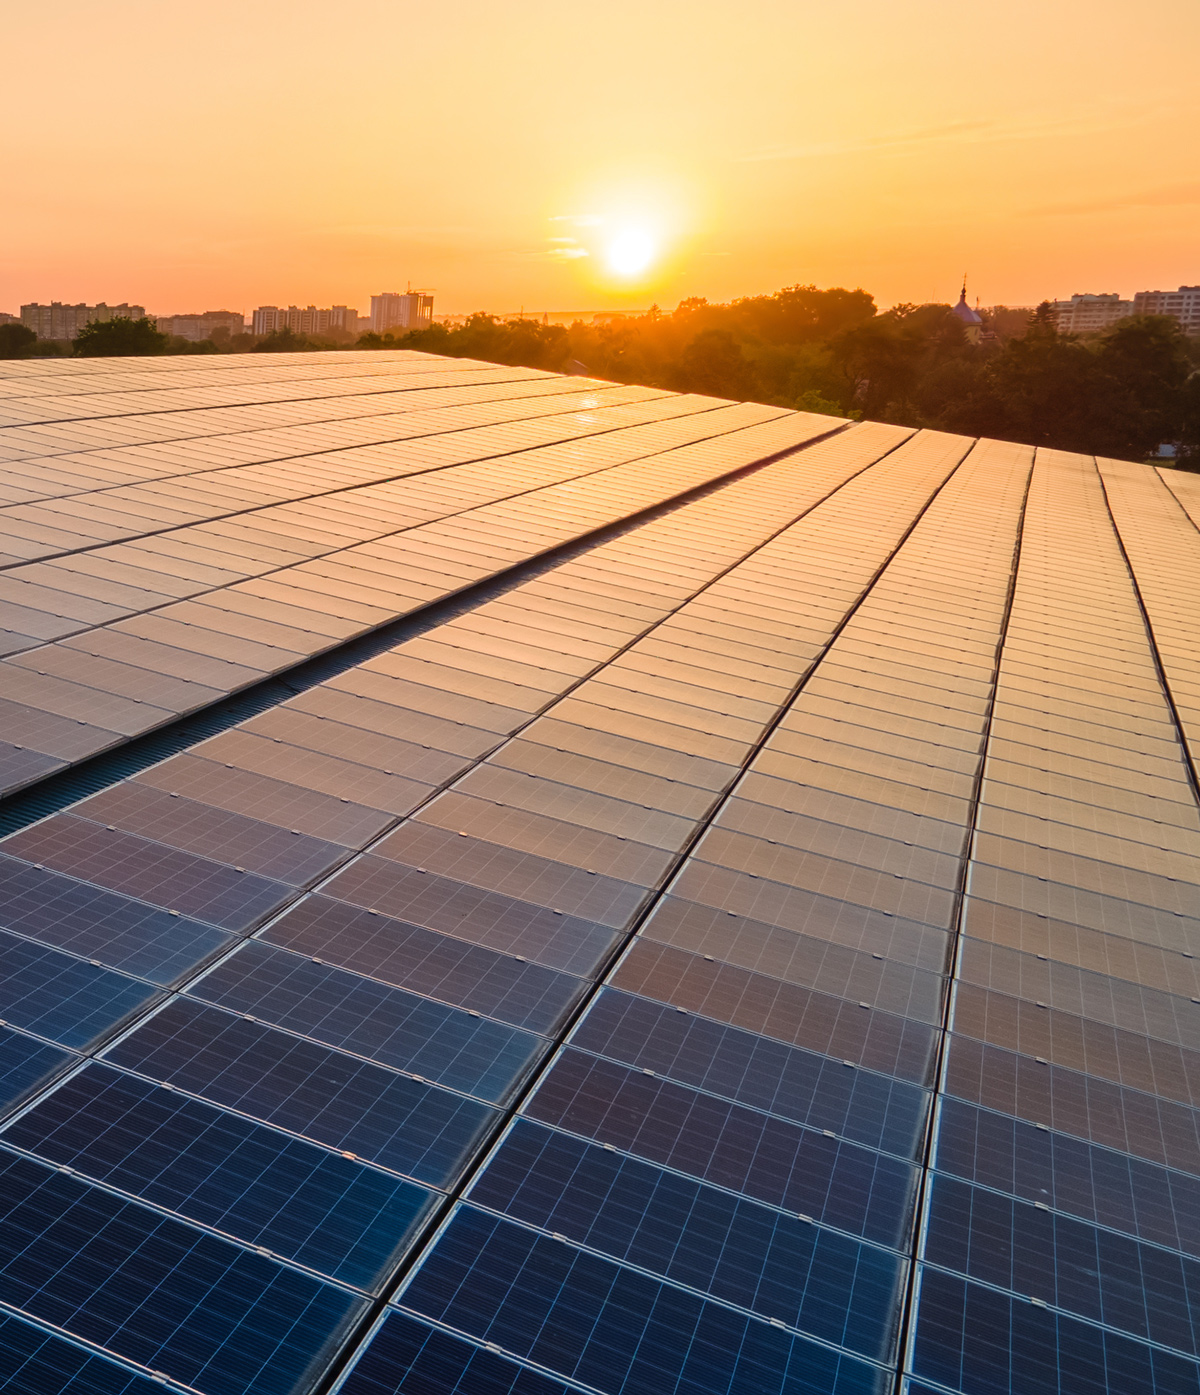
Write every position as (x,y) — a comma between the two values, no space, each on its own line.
(631,252)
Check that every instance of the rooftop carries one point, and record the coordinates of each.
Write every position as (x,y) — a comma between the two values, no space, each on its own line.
(514,883)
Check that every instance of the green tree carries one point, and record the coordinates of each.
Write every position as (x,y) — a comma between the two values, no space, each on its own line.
(1045,386)
(1143,366)
(879,368)
(1188,441)
(1121,394)
(119,338)
(713,363)
(16,340)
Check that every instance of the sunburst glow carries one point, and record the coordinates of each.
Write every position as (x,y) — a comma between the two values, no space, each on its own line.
(631,252)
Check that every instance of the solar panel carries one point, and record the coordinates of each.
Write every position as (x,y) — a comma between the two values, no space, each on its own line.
(40,1362)
(767,1261)
(259,1185)
(610,1326)
(166,1295)
(65,999)
(337,1099)
(751,952)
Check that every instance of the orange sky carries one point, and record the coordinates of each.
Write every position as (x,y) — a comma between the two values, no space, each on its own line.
(193,156)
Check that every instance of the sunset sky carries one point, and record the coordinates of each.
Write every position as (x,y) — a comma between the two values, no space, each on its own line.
(242,152)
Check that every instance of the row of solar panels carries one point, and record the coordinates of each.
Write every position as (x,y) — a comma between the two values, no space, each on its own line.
(107,389)
(239,1147)
(118,640)
(716,1182)
(1055,1238)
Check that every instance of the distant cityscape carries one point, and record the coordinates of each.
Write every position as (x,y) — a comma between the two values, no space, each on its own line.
(1087,314)
(392,311)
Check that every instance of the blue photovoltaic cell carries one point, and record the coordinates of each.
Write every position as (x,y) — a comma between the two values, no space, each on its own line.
(1098,1184)
(981,1342)
(267,1188)
(877,1110)
(34,1362)
(845,1185)
(19,766)
(63,998)
(813,1279)
(96,924)
(1148,1292)
(1087,1106)
(336,1099)
(192,826)
(406,1357)
(213,892)
(426,961)
(610,1327)
(172,1298)
(567,942)
(26,1065)
(400,1029)
(818,1021)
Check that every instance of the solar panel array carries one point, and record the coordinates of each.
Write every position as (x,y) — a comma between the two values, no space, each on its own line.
(752,953)
(143,581)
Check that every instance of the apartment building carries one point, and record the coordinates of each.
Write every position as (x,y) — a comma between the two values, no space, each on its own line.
(306,319)
(1087,314)
(197,327)
(1183,305)
(393,311)
(60,321)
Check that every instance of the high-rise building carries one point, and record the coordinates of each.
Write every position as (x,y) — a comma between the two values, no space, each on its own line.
(197,327)
(1182,305)
(304,320)
(1087,314)
(60,321)
(393,311)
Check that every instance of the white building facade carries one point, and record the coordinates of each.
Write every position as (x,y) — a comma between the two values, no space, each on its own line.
(60,321)
(1183,305)
(393,311)
(1088,314)
(306,319)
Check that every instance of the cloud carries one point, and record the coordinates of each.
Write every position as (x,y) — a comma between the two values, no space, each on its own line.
(1168,196)
(568,249)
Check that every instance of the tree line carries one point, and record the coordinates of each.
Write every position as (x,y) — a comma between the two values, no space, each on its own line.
(1123,393)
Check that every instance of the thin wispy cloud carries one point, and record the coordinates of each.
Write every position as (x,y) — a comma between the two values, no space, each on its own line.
(569,249)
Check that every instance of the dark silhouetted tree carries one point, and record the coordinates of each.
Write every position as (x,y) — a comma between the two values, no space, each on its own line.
(16,341)
(120,338)
(713,363)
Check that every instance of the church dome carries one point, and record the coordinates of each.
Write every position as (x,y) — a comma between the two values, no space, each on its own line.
(962,311)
